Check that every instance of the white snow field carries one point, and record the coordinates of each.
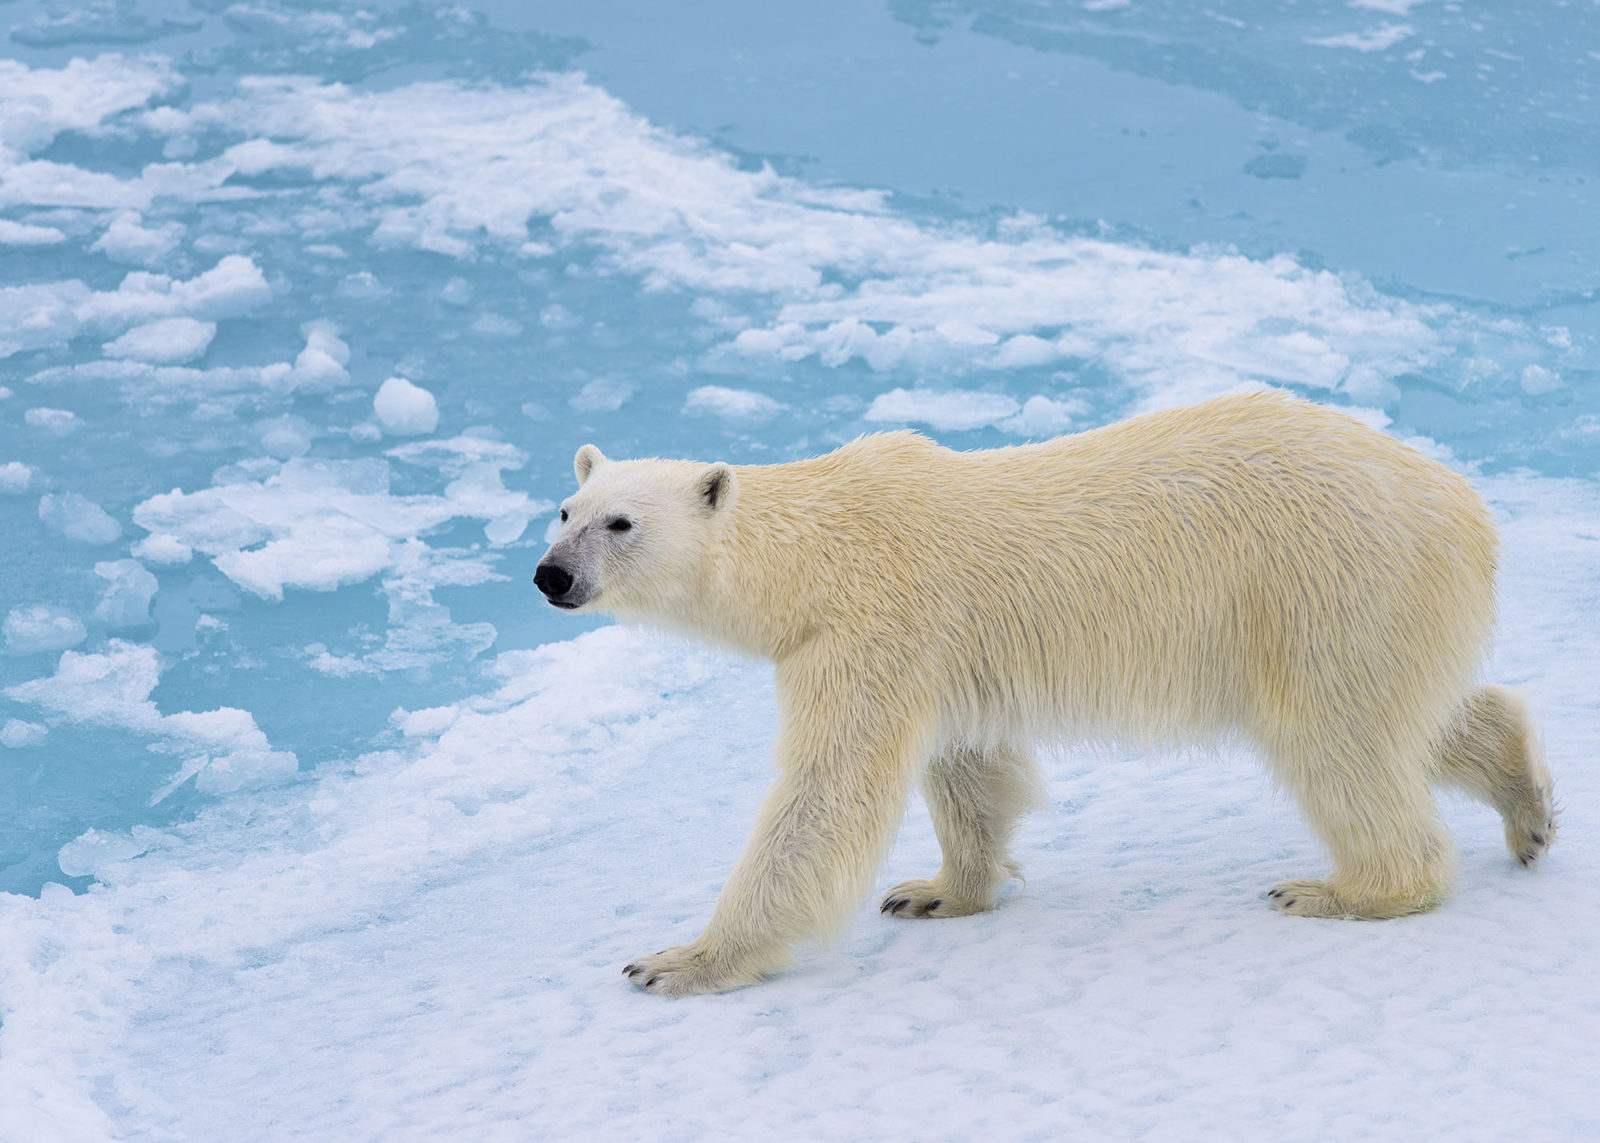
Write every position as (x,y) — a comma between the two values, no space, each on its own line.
(316,823)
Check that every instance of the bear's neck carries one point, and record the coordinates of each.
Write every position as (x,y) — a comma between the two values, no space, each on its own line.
(763,579)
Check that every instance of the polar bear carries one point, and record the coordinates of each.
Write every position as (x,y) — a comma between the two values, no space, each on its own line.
(1254,567)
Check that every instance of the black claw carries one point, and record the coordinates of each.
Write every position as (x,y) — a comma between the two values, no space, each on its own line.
(1274,892)
(652,980)
(1538,839)
(934,904)
(1288,903)
(633,970)
(898,905)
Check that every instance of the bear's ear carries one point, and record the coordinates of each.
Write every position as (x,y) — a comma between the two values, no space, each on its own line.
(716,486)
(588,459)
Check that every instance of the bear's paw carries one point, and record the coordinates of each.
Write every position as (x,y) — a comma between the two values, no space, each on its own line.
(689,970)
(920,898)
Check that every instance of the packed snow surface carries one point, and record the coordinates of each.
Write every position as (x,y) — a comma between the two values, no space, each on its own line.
(316,823)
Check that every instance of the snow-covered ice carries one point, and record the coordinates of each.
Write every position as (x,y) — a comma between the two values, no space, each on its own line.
(315,823)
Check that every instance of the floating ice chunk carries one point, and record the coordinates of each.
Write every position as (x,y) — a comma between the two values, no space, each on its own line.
(91,851)
(239,754)
(1024,351)
(110,688)
(29,630)
(948,411)
(18,734)
(56,422)
(1042,417)
(51,314)
(1392,7)
(1537,380)
(22,234)
(224,747)
(602,395)
(128,240)
(363,286)
(78,518)
(163,550)
(323,360)
(428,723)
(286,436)
(231,288)
(1378,39)
(732,404)
(339,666)
(165,342)
(15,478)
(40,103)
(405,409)
(322,553)
(497,325)
(125,603)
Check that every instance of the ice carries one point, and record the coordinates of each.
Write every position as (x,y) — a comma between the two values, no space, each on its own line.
(168,341)
(15,478)
(56,422)
(21,234)
(163,550)
(322,524)
(405,409)
(18,734)
(323,360)
(734,404)
(223,749)
(125,603)
(128,240)
(949,411)
(29,630)
(41,316)
(41,103)
(1376,39)
(318,823)
(94,851)
(78,518)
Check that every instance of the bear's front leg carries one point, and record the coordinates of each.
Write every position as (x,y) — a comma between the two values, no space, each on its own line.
(845,762)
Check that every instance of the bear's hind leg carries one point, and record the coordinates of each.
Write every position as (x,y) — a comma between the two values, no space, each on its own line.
(1376,815)
(975,797)
(1492,751)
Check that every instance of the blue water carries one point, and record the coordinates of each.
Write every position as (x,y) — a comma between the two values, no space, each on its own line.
(1437,160)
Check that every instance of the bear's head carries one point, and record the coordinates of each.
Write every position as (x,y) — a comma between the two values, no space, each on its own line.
(634,536)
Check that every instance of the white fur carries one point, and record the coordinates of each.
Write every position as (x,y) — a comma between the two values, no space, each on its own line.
(1254,567)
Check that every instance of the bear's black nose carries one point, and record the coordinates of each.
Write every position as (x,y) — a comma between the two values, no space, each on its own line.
(553,579)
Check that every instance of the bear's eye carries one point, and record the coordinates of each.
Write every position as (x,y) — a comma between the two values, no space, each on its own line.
(563,515)
(620,524)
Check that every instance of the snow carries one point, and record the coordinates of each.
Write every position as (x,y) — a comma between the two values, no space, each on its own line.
(319,824)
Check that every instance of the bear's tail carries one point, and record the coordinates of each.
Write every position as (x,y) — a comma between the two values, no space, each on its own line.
(1492,750)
